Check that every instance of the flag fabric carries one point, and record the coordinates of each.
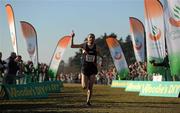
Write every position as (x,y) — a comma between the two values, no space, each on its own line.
(118,58)
(138,38)
(155,40)
(172,20)
(12,28)
(57,56)
(30,37)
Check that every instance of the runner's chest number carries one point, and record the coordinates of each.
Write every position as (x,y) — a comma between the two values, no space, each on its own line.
(90,58)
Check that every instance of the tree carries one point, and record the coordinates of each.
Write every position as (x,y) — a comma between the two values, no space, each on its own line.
(61,67)
(113,35)
(128,38)
(121,40)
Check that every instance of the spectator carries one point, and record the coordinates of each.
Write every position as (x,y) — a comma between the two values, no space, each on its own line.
(12,68)
(2,65)
(165,64)
(2,68)
(20,72)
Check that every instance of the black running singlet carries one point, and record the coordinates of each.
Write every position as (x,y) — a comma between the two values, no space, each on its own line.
(89,60)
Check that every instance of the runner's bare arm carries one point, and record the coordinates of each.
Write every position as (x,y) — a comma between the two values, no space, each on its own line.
(75,45)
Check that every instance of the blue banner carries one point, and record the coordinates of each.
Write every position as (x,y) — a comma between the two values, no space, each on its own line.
(32,90)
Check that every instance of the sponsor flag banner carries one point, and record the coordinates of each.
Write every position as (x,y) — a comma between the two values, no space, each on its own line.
(172,20)
(118,57)
(11,22)
(155,41)
(58,53)
(137,34)
(30,37)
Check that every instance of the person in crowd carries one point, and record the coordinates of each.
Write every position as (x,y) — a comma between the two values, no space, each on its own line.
(12,68)
(2,68)
(164,63)
(20,72)
(29,71)
(2,65)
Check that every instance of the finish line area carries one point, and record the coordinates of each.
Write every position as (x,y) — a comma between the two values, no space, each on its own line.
(30,90)
(71,99)
(150,88)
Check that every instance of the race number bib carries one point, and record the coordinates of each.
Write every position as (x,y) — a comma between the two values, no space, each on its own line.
(90,58)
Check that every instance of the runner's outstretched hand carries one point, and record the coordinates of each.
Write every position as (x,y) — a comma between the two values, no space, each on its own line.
(72,34)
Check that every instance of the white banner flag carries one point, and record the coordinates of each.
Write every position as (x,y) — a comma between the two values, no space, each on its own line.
(155,40)
(30,37)
(137,34)
(118,57)
(58,53)
(12,28)
(172,20)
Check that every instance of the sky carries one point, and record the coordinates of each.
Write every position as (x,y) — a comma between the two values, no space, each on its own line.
(54,19)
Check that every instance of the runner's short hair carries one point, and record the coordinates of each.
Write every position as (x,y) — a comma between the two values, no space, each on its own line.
(91,35)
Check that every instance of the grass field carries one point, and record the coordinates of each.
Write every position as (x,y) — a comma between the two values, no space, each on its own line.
(105,100)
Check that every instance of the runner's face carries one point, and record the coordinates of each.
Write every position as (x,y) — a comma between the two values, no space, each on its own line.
(91,39)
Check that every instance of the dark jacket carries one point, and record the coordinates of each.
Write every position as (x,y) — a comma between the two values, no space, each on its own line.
(164,63)
(12,67)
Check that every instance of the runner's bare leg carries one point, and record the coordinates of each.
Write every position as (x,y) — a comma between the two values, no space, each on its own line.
(91,80)
(83,81)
